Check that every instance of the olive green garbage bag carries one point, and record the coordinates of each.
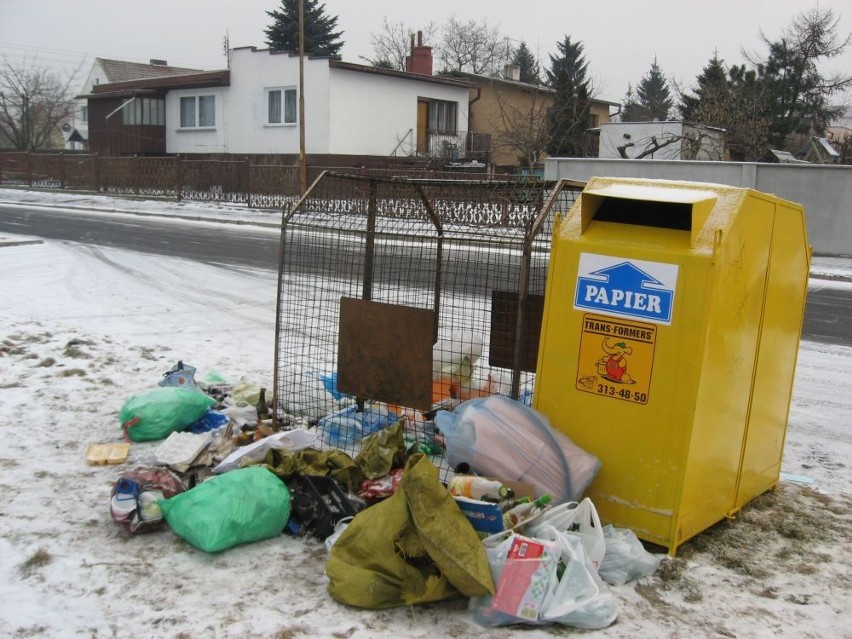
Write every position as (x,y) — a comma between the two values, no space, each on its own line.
(414,547)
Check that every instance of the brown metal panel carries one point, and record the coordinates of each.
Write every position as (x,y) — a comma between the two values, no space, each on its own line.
(385,352)
(504,321)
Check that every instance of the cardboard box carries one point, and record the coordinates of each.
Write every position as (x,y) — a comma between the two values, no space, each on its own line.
(525,578)
(484,516)
(487,517)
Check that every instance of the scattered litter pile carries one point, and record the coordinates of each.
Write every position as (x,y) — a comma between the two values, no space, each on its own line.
(507,528)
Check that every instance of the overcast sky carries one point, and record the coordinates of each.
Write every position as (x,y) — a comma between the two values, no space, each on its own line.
(621,37)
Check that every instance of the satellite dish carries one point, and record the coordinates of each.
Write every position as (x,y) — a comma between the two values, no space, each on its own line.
(66,127)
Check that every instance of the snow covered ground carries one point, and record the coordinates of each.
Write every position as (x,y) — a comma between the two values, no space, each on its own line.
(82,328)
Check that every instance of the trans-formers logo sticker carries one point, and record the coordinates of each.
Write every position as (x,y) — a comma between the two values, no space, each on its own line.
(626,288)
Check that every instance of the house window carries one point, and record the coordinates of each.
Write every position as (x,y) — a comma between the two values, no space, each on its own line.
(84,114)
(281,106)
(147,111)
(443,116)
(197,112)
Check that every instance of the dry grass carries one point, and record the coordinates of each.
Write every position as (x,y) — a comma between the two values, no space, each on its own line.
(785,531)
(37,560)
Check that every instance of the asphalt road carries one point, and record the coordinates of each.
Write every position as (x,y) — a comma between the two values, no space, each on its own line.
(827,310)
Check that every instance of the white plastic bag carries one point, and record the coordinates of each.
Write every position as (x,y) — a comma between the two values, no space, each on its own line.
(626,558)
(521,589)
(581,520)
(290,440)
(339,527)
(536,593)
(581,599)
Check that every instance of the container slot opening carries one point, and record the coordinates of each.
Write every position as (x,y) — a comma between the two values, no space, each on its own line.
(665,215)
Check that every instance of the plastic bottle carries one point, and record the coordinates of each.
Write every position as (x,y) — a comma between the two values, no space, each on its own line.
(478,488)
(519,513)
(508,505)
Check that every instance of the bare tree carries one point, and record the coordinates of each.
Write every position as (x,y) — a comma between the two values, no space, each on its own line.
(34,102)
(695,143)
(521,124)
(472,47)
(393,43)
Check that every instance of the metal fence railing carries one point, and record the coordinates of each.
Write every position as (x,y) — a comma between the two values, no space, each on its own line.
(255,183)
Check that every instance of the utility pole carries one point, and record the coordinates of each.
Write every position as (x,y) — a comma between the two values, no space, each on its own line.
(303,169)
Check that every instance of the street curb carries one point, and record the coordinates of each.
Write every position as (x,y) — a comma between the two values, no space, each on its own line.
(7,242)
(834,277)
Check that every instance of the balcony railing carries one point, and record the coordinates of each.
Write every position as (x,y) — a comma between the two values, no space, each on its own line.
(457,146)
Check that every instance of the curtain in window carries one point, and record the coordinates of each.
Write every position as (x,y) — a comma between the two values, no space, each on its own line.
(442,116)
(290,106)
(274,99)
(187,112)
(206,110)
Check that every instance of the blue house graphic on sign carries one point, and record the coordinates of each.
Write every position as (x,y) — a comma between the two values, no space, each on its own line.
(626,290)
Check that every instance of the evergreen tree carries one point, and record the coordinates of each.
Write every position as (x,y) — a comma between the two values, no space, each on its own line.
(569,117)
(653,94)
(526,62)
(320,37)
(632,111)
(797,91)
(733,100)
(713,88)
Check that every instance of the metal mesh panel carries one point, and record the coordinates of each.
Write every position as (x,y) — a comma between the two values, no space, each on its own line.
(474,254)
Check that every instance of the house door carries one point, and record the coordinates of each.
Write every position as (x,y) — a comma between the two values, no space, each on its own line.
(422,125)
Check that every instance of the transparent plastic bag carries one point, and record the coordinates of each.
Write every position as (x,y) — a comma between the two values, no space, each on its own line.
(581,520)
(500,437)
(626,558)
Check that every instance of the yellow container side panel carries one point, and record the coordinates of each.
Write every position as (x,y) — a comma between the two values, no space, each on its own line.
(727,370)
(779,345)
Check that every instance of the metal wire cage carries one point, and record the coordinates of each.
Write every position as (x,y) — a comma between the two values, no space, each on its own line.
(397,297)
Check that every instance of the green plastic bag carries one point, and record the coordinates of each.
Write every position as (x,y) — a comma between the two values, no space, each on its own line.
(162,411)
(239,507)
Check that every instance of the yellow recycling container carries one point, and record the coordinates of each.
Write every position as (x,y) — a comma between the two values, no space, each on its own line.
(672,319)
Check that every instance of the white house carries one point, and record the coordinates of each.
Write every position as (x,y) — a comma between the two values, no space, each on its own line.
(661,141)
(351,110)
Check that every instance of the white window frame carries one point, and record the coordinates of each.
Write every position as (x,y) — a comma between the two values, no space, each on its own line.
(195,100)
(282,114)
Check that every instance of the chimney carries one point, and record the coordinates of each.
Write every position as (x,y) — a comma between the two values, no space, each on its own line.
(512,72)
(420,60)
(158,63)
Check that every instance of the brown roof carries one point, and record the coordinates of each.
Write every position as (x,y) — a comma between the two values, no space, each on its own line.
(202,79)
(121,71)
(437,79)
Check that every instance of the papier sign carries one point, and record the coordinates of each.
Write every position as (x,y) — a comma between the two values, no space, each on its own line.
(636,289)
